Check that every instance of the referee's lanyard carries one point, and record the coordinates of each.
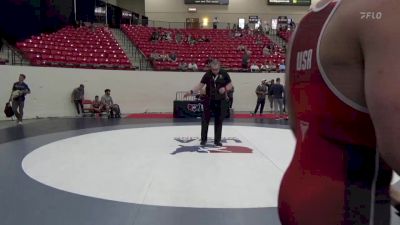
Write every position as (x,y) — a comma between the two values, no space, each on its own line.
(215,81)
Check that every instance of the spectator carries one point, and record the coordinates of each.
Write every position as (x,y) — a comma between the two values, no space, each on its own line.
(209,60)
(168,36)
(178,37)
(283,49)
(164,56)
(277,92)
(271,66)
(92,27)
(238,34)
(17,97)
(77,97)
(266,51)
(270,98)
(193,66)
(246,27)
(202,38)
(154,36)
(267,28)
(258,41)
(261,92)
(241,47)
(254,67)
(172,57)
(191,40)
(282,67)
(234,28)
(109,106)
(135,20)
(96,105)
(246,59)
(215,22)
(183,66)
(155,56)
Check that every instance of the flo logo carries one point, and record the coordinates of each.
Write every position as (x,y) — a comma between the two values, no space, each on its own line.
(371,15)
(210,148)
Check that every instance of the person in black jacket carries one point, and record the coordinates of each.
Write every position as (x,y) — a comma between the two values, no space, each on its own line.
(218,83)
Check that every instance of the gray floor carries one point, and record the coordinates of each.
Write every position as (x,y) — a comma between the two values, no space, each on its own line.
(24,201)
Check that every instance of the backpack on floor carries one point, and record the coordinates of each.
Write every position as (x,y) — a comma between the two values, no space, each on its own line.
(8,110)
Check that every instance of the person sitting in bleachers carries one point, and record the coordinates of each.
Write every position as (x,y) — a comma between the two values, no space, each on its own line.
(172,57)
(254,67)
(282,67)
(164,56)
(241,47)
(238,34)
(202,38)
(155,56)
(209,60)
(179,37)
(191,40)
(183,66)
(192,66)
(258,41)
(155,36)
(168,36)
(272,67)
(266,50)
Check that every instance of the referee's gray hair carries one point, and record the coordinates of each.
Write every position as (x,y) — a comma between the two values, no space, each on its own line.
(214,64)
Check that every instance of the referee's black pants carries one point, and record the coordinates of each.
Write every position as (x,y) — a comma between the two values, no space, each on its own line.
(218,108)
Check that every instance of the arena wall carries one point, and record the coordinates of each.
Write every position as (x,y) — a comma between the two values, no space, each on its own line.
(135,91)
(177,11)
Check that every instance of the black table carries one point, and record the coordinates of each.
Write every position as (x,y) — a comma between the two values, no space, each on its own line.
(190,109)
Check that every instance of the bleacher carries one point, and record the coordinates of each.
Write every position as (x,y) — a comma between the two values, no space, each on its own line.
(82,47)
(222,47)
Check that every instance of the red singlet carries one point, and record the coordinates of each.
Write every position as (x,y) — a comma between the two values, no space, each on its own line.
(336,176)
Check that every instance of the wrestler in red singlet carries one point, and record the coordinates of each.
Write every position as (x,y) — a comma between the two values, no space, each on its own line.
(336,176)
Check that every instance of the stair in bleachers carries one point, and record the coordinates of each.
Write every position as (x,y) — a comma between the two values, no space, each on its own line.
(128,47)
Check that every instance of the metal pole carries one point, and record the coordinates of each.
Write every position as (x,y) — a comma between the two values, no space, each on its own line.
(75,9)
(106,12)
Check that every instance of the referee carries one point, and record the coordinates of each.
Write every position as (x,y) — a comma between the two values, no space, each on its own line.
(218,83)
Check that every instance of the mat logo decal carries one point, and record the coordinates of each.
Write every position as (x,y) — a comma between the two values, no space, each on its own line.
(209,148)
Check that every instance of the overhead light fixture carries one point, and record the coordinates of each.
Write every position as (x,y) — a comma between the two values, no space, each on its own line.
(192,9)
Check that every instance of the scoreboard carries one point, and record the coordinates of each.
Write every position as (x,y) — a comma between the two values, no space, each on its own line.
(290,2)
(208,2)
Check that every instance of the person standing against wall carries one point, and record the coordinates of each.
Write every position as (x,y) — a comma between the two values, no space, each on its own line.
(277,92)
(19,90)
(77,97)
(261,92)
(218,83)
(215,23)
(270,98)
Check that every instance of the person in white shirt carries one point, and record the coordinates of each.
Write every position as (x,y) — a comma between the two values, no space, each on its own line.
(254,67)
(193,66)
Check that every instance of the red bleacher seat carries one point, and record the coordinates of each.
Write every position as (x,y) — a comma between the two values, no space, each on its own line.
(72,47)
